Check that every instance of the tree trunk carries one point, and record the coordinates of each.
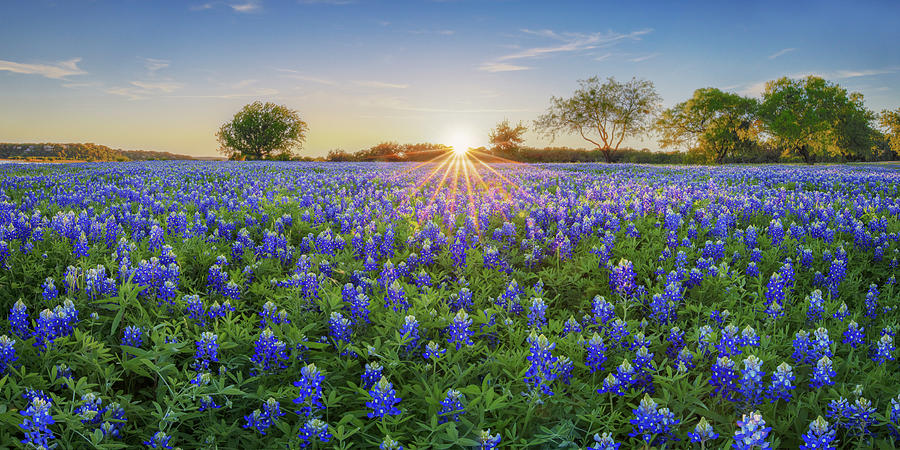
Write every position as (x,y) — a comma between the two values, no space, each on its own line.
(803,150)
(607,153)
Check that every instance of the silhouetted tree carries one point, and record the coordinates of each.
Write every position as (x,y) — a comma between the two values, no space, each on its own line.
(506,137)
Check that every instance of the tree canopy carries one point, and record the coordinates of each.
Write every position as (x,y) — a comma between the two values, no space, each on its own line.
(813,117)
(603,114)
(712,122)
(890,123)
(505,137)
(262,131)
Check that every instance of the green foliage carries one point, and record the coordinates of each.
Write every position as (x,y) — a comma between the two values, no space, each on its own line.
(602,114)
(712,122)
(262,131)
(506,137)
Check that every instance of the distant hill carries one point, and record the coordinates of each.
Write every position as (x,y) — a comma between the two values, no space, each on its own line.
(79,152)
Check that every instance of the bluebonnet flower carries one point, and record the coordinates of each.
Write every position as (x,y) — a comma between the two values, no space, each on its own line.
(536,313)
(836,273)
(822,373)
(884,349)
(271,315)
(872,301)
(804,353)
(653,425)
(601,310)
(749,338)
(822,343)
(50,292)
(775,296)
(433,351)
(730,342)
(684,361)
(723,377)
(752,433)
(37,420)
(7,353)
(782,383)
(463,300)
(91,410)
(268,352)
(816,306)
(602,442)
(81,249)
(314,429)
(396,298)
(543,365)
(643,370)
(409,333)
(262,420)
(841,312)
(384,397)
(459,331)
(595,353)
(571,326)
(489,441)
(339,329)
(133,337)
(750,385)
(371,375)
(858,417)
(752,270)
(389,444)
(621,279)
(310,385)
(703,433)
(676,342)
(359,307)
(452,406)
(819,437)
(704,340)
(618,332)
(159,440)
(207,351)
(18,320)
(854,335)
(207,403)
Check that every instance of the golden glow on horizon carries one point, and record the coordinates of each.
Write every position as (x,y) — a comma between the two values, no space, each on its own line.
(461,139)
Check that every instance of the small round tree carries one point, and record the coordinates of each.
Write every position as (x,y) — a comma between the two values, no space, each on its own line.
(262,131)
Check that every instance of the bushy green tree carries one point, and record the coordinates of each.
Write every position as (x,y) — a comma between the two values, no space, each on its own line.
(603,114)
(814,118)
(890,126)
(262,131)
(712,122)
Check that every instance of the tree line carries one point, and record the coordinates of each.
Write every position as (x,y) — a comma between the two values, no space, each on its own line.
(796,120)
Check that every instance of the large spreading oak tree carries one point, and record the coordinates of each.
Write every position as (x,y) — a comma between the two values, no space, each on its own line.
(713,122)
(262,131)
(603,114)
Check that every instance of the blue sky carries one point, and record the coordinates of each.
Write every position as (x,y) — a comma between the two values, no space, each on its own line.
(164,75)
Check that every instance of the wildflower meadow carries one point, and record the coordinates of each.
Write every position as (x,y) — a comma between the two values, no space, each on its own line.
(453,305)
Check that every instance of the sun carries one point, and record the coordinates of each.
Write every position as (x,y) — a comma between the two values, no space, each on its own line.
(461,139)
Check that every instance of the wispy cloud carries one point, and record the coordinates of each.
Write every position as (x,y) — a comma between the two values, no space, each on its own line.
(56,71)
(202,7)
(380,84)
(162,86)
(289,73)
(566,42)
(645,57)
(603,57)
(326,2)
(781,52)
(501,67)
(246,7)
(572,42)
(152,64)
(259,92)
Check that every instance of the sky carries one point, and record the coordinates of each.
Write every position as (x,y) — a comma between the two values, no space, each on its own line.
(164,75)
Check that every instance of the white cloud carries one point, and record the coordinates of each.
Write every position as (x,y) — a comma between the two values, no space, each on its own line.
(152,64)
(603,57)
(572,42)
(645,57)
(247,7)
(781,52)
(56,71)
(380,84)
(501,67)
(162,86)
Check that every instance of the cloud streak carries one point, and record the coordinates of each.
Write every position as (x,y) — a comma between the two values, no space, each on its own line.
(152,64)
(781,52)
(380,84)
(56,71)
(566,42)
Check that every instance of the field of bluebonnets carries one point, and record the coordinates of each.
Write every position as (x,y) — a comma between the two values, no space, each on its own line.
(251,305)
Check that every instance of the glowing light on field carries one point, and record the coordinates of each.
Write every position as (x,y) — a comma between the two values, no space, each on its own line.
(461,140)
